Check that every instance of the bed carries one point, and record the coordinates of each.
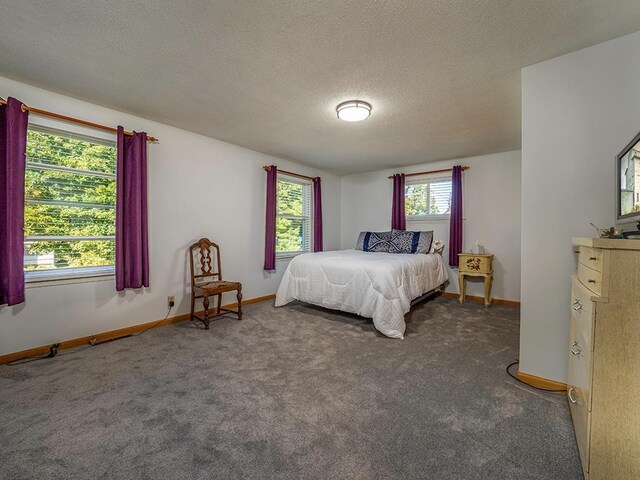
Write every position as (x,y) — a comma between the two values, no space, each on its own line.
(376,285)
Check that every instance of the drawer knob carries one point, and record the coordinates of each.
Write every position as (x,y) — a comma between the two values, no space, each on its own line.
(591,281)
(575,349)
(576,305)
(570,395)
(593,259)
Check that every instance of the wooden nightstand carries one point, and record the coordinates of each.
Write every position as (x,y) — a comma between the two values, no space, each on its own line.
(476,266)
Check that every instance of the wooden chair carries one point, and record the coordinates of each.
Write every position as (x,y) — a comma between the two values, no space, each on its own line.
(206,281)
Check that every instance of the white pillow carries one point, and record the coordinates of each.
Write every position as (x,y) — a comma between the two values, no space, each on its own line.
(437,246)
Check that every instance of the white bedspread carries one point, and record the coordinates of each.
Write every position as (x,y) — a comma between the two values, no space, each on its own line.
(374,285)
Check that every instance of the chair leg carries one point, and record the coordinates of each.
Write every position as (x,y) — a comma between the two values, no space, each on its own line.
(239,297)
(219,303)
(193,305)
(205,304)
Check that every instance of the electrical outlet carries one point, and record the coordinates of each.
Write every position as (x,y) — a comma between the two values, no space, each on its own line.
(171,301)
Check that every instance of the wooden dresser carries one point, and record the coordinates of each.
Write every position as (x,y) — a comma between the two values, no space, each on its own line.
(604,357)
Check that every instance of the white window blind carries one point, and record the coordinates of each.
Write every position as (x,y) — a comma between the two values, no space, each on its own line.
(70,195)
(293,222)
(429,197)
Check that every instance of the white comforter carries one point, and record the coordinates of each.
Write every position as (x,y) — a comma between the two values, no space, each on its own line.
(375,285)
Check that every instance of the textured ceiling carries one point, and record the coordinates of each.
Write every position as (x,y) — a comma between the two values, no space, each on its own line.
(443,76)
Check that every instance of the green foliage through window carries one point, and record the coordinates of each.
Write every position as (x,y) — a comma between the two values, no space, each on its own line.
(70,193)
(293,222)
(431,197)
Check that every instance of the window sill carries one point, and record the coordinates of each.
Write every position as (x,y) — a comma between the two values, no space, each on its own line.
(432,218)
(43,278)
(428,218)
(288,255)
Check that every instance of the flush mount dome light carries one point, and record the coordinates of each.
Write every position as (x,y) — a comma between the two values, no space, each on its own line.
(353,111)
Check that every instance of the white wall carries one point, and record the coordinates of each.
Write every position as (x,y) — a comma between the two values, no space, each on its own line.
(198,187)
(578,112)
(491,211)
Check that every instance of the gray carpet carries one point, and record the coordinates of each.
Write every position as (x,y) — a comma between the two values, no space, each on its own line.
(297,392)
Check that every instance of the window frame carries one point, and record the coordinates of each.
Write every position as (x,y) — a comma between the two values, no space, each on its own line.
(61,276)
(309,184)
(423,180)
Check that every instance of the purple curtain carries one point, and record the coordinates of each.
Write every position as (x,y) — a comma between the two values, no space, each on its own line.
(317,215)
(13,144)
(455,224)
(398,217)
(132,245)
(270,221)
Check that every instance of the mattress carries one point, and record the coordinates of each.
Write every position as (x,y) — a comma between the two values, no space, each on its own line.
(376,285)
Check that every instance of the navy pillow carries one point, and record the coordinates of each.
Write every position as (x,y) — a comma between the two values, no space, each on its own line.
(374,241)
(403,241)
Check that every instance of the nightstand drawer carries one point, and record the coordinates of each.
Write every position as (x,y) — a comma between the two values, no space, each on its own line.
(469,263)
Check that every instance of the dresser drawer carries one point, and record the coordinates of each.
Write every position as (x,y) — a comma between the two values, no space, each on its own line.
(582,426)
(582,310)
(580,361)
(591,257)
(469,263)
(580,375)
(580,348)
(590,278)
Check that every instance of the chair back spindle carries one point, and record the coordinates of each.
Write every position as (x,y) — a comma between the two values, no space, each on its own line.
(205,261)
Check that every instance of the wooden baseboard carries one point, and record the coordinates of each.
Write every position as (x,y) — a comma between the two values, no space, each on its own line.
(114,334)
(249,301)
(475,298)
(541,382)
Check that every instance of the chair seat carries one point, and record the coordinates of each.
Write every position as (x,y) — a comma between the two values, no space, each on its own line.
(218,287)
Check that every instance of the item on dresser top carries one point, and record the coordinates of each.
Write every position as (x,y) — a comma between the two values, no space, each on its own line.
(405,241)
(628,185)
(603,383)
(634,234)
(605,233)
(373,241)
(472,265)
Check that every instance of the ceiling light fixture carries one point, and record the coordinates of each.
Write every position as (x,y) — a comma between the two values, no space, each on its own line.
(353,111)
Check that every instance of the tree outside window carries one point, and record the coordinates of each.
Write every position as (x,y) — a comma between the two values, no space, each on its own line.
(70,195)
(293,221)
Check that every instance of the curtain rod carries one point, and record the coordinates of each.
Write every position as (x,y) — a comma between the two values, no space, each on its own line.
(74,120)
(431,171)
(268,168)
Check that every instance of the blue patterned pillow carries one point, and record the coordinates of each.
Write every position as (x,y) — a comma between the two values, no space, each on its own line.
(403,241)
(374,241)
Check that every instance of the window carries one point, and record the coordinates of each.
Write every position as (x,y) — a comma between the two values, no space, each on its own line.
(428,198)
(70,197)
(293,222)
